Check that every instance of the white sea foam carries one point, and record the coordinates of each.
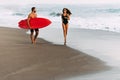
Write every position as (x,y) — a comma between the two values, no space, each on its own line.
(102,23)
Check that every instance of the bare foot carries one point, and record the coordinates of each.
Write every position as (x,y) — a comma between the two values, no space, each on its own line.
(33,42)
(65,42)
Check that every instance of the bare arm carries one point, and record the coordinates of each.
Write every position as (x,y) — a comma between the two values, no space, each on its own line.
(68,16)
(36,16)
(28,21)
(61,18)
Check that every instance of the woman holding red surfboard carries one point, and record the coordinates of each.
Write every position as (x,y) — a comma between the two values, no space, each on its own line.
(32,15)
(65,17)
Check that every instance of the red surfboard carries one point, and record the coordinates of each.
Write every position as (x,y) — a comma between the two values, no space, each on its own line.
(34,23)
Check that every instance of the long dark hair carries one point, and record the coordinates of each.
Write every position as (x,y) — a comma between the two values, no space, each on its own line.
(68,11)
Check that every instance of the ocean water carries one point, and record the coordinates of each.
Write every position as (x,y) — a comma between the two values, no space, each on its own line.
(101,44)
(103,17)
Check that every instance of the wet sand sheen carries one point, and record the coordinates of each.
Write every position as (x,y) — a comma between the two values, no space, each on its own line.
(20,60)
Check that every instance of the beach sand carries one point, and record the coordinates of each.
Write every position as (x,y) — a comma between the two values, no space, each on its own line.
(21,60)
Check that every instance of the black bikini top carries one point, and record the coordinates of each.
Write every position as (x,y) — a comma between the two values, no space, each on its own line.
(64,17)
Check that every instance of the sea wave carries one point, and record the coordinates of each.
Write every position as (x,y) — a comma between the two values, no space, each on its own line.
(102,23)
(18,14)
(103,18)
(55,14)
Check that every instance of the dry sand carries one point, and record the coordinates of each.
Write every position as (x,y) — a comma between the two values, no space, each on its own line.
(21,60)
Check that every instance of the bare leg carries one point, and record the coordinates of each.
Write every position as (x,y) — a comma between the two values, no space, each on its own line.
(64,32)
(66,29)
(36,35)
(66,26)
(32,37)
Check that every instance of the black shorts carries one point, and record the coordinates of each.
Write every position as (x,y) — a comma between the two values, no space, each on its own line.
(32,30)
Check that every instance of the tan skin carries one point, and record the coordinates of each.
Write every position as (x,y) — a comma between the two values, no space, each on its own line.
(65,26)
(32,15)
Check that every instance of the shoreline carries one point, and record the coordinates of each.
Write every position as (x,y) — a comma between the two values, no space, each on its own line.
(21,60)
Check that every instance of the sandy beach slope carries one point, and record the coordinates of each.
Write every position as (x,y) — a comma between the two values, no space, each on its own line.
(20,60)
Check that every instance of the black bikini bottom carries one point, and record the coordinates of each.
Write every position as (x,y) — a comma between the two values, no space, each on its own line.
(65,22)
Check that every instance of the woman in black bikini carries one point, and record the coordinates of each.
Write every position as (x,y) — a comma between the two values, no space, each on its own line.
(65,17)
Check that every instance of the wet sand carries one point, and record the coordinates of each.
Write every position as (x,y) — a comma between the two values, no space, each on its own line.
(21,60)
